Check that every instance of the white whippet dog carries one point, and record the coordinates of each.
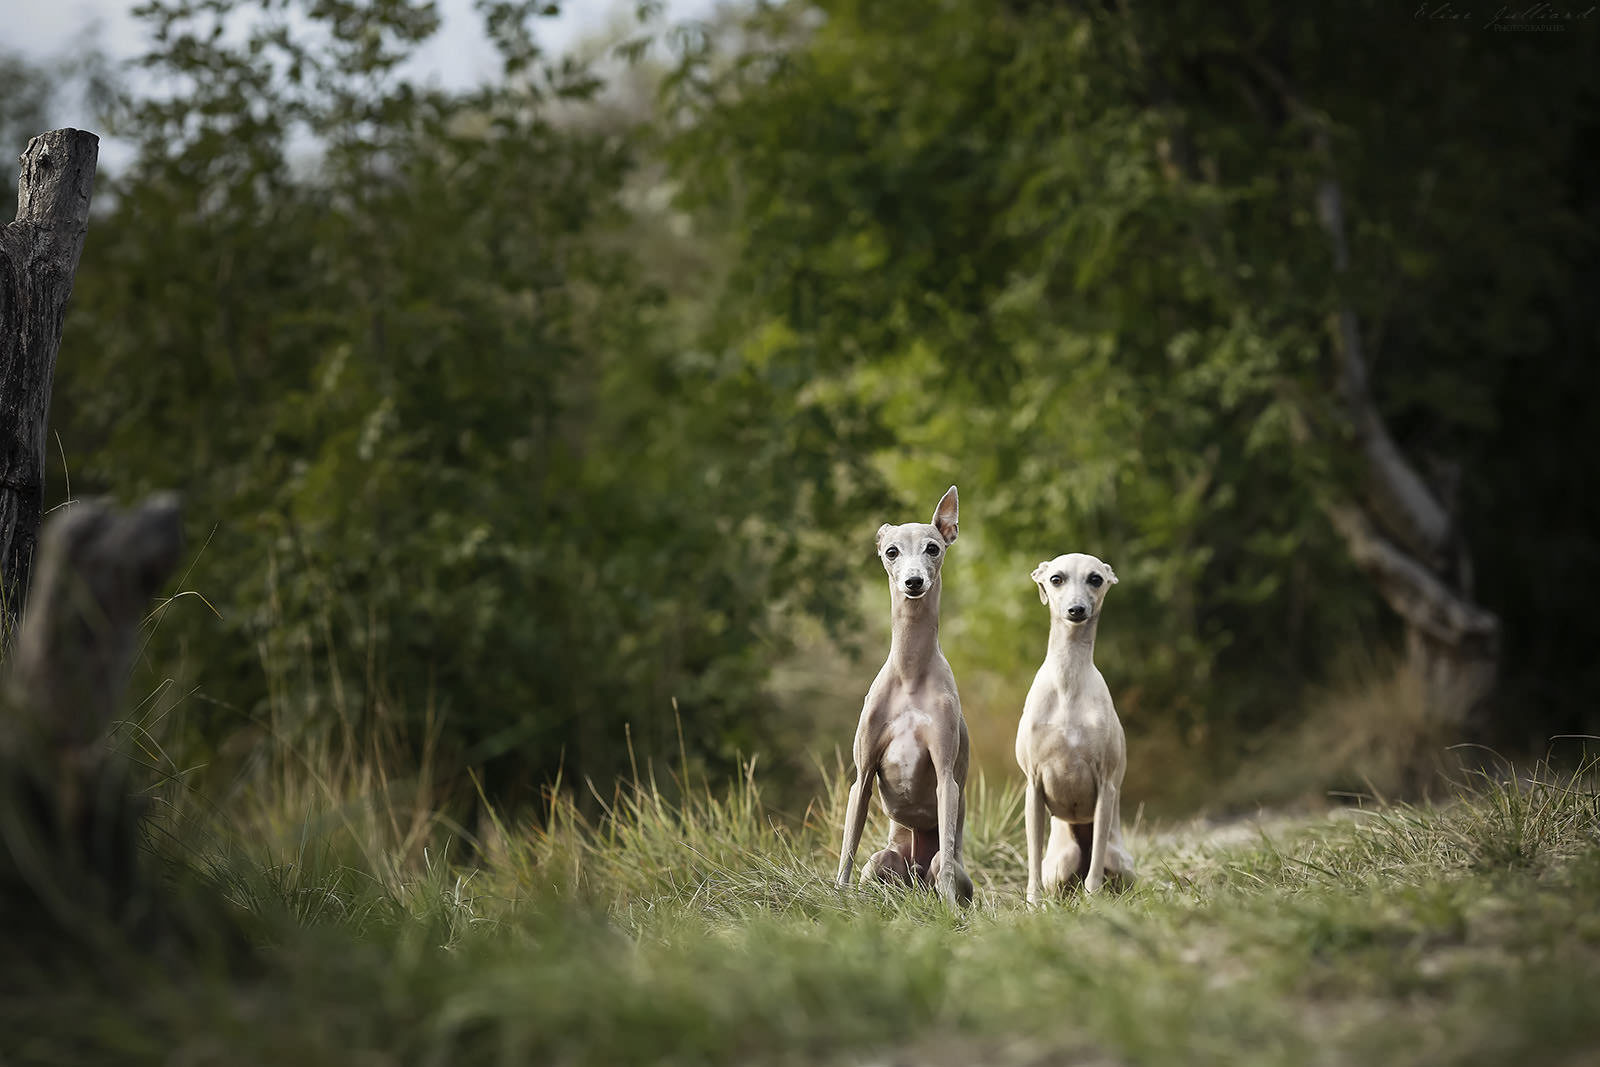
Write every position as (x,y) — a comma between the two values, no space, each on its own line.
(1070,743)
(912,741)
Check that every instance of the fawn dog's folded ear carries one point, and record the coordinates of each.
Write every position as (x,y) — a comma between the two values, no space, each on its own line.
(882,530)
(945,516)
(1038,580)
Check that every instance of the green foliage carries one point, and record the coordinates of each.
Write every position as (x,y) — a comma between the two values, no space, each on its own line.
(24,96)
(444,448)
(1069,254)
(517,417)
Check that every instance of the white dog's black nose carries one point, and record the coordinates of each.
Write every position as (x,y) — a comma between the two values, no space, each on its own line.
(915,583)
(1077,613)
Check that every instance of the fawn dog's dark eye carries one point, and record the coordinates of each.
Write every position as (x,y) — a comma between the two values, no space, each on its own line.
(933,549)
(1095,579)
(1055,579)
(891,552)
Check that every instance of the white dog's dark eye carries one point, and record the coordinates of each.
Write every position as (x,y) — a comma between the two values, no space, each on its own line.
(891,552)
(933,549)
(1055,579)
(1095,579)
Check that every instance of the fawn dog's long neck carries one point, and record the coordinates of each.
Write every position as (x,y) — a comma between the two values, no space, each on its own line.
(914,633)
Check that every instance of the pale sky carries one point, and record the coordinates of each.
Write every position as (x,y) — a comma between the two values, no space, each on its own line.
(40,28)
(456,57)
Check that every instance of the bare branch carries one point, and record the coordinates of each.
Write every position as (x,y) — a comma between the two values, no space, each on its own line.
(1411,589)
(1400,497)
(1399,494)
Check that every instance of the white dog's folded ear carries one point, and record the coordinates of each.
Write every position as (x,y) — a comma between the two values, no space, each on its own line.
(1111,575)
(881,531)
(945,516)
(1038,580)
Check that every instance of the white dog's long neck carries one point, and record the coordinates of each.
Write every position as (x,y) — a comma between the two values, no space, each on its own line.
(1071,649)
(914,633)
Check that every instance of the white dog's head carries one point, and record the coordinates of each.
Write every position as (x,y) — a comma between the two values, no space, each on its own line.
(912,553)
(1073,585)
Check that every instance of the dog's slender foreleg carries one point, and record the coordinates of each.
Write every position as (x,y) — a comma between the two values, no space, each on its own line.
(1037,819)
(1119,863)
(855,821)
(949,794)
(1105,809)
(961,821)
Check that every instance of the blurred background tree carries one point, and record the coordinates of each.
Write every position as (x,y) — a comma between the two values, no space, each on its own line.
(450,460)
(507,417)
(25,89)
(1253,303)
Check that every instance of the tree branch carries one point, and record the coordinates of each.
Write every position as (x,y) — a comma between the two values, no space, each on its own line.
(1408,587)
(1400,495)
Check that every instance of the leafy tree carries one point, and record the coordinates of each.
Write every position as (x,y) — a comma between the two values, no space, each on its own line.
(442,447)
(1223,296)
(25,90)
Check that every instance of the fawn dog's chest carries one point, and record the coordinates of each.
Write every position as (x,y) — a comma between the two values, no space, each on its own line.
(907,781)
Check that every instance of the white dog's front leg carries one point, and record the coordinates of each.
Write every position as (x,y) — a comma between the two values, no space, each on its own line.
(1105,809)
(855,821)
(1037,819)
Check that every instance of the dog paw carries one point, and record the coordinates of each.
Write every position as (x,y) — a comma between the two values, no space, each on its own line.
(950,881)
(887,866)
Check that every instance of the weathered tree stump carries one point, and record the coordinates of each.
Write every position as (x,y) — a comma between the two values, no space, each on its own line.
(69,834)
(38,260)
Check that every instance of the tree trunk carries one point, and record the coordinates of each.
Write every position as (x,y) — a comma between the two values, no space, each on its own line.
(38,259)
(69,817)
(1401,532)
(1452,644)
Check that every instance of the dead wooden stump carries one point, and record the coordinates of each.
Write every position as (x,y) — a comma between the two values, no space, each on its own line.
(38,261)
(69,834)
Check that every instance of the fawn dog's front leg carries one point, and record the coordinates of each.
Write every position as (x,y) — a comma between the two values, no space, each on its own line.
(949,752)
(950,877)
(855,821)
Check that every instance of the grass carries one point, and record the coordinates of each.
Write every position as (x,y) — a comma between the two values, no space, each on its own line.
(685,925)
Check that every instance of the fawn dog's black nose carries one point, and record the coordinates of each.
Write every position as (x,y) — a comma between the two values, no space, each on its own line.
(914,584)
(1077,613)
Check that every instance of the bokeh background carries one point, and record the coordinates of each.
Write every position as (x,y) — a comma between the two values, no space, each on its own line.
(536,375)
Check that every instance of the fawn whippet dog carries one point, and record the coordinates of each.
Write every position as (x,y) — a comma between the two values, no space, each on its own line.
(912,741)
(1070,741)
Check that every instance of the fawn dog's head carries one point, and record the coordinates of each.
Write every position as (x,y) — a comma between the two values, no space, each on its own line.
(913,552)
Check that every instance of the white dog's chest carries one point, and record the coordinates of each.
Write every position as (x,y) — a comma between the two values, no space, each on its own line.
(1068,753)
